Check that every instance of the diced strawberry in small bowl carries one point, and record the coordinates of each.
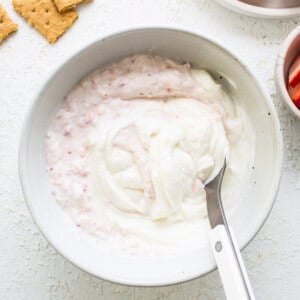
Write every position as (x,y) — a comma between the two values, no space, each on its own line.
(294,81)
(294,73)
(288,72)
(294,93)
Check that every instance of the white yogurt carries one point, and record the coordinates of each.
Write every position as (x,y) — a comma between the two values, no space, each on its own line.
(133,145)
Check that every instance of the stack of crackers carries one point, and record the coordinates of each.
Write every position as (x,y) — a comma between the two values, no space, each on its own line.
(51,18)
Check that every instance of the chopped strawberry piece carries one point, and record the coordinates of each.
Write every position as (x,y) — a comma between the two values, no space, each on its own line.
(294,93)
(294,73)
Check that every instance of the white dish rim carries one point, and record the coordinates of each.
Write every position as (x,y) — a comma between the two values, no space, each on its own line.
(256,11)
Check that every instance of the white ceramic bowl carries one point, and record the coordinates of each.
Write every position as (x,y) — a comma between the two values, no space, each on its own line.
(81,249)
(258,11)
(289,50)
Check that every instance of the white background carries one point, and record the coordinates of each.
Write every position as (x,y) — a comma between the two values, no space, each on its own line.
(29,267)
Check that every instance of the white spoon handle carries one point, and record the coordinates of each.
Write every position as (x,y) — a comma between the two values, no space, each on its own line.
(230,264)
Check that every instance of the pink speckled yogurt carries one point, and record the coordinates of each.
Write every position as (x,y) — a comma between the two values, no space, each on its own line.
(129,151)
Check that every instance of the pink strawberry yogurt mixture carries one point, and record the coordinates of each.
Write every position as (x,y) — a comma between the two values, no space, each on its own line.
(132,146)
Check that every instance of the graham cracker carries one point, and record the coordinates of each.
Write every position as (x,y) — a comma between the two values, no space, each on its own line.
(7,26)
(63,5)
(44,16)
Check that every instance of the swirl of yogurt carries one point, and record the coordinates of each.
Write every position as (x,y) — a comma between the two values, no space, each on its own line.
(134,144)
(156,157)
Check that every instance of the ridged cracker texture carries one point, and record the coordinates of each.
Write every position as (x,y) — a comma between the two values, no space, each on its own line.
(7,26)
(44,16)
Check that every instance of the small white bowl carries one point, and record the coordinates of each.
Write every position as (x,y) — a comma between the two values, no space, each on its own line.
(258,11)
(248,215)
(289,50)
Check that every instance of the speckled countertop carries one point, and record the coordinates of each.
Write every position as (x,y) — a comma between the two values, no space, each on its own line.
(29,267)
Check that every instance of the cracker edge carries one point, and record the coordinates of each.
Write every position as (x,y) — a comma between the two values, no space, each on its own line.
(14,28)
(63,8)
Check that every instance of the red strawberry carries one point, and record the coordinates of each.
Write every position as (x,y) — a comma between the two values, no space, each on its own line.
(294,93)
(294,73)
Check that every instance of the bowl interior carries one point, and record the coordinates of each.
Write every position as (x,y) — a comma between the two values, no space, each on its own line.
(272,4)
(262,8)
(83,250)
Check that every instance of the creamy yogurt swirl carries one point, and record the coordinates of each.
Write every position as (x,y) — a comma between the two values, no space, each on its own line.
(131,149)
(155,157)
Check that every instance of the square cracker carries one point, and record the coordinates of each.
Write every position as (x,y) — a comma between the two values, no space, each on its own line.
(43,15)
(7,26)
(63,5)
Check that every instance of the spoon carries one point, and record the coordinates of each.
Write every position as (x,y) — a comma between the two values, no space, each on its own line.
(225,248)
(273,3)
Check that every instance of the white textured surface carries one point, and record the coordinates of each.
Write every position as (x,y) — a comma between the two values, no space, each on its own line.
(29,267)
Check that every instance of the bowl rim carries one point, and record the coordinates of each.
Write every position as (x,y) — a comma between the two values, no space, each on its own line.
(257,11)
(27,125)
(280,80)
